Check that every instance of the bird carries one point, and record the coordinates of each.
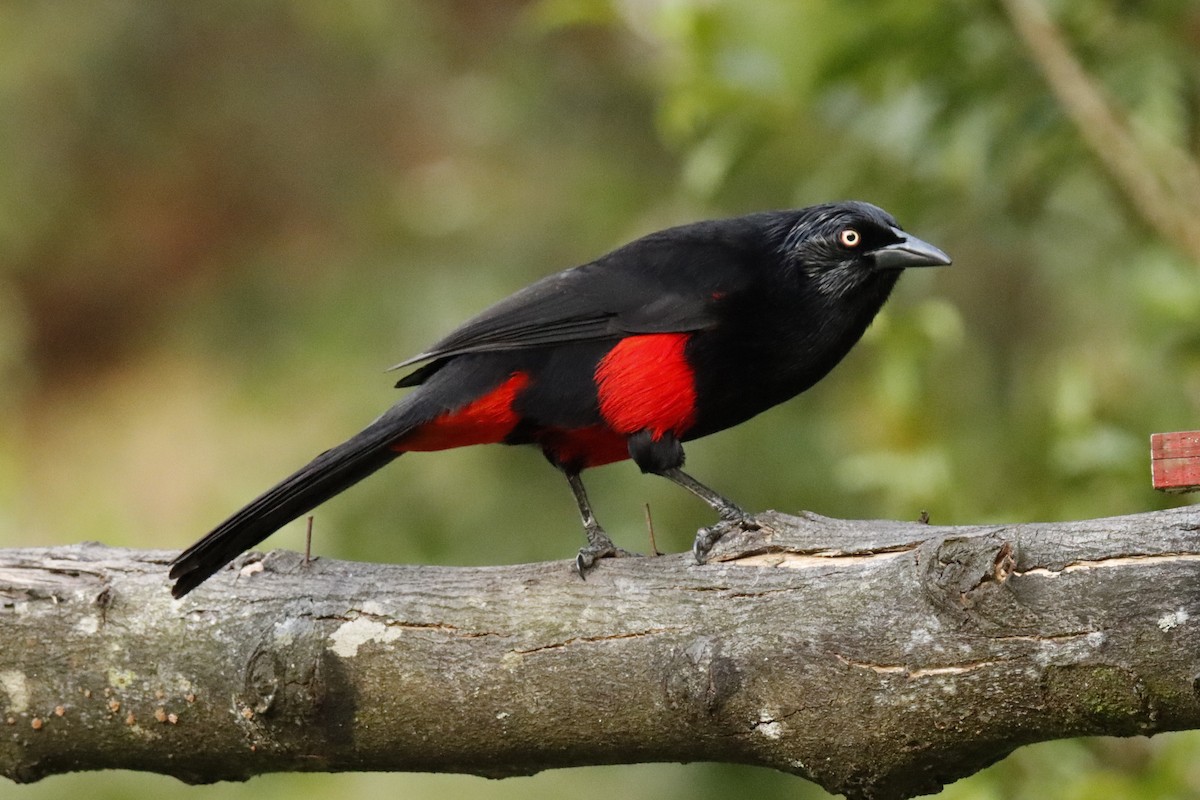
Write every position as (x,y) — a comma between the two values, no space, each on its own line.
(672,337)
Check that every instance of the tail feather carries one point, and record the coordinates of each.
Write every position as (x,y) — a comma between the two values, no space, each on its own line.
(322,478)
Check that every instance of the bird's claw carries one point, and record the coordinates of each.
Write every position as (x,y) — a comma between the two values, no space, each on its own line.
(707,537)
(598,547)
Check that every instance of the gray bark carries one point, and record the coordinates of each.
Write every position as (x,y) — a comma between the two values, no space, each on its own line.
(879,659)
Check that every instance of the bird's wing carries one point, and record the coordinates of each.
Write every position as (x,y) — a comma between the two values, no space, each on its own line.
(670,281)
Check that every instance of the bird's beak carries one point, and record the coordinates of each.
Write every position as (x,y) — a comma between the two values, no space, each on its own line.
(909,252)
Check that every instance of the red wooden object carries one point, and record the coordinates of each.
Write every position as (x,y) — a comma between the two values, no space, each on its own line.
(1175,461)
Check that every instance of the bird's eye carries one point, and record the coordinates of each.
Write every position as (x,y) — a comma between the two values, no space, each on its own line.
(850,238)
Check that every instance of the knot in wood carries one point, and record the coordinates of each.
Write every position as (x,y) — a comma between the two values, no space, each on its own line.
(284,674)
(966,578)
(701,680)
(262,681)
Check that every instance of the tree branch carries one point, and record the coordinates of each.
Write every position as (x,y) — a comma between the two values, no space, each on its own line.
(1165,192)
(880,659)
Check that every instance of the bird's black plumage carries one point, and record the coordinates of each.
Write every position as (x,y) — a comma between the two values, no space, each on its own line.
(676,335)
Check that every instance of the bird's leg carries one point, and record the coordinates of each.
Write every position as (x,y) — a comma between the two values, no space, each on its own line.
(728,510)
(732,515)
(599,545)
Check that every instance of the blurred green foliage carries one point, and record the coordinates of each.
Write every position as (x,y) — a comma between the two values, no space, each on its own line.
(220,221)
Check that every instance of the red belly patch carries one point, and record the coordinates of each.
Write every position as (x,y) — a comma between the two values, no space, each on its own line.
(645,382)
(582,448)
(487,419)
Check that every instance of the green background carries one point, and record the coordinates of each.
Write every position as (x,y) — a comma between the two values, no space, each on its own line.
(220,221)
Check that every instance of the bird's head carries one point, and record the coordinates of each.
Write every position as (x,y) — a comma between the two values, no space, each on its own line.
(842,246)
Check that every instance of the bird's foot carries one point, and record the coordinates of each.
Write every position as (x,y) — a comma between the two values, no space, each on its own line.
(732,519)
(599,546)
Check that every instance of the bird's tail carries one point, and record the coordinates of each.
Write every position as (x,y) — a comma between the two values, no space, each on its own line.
(322,478)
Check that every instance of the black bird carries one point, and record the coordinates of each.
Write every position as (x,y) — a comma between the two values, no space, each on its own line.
(677,335)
